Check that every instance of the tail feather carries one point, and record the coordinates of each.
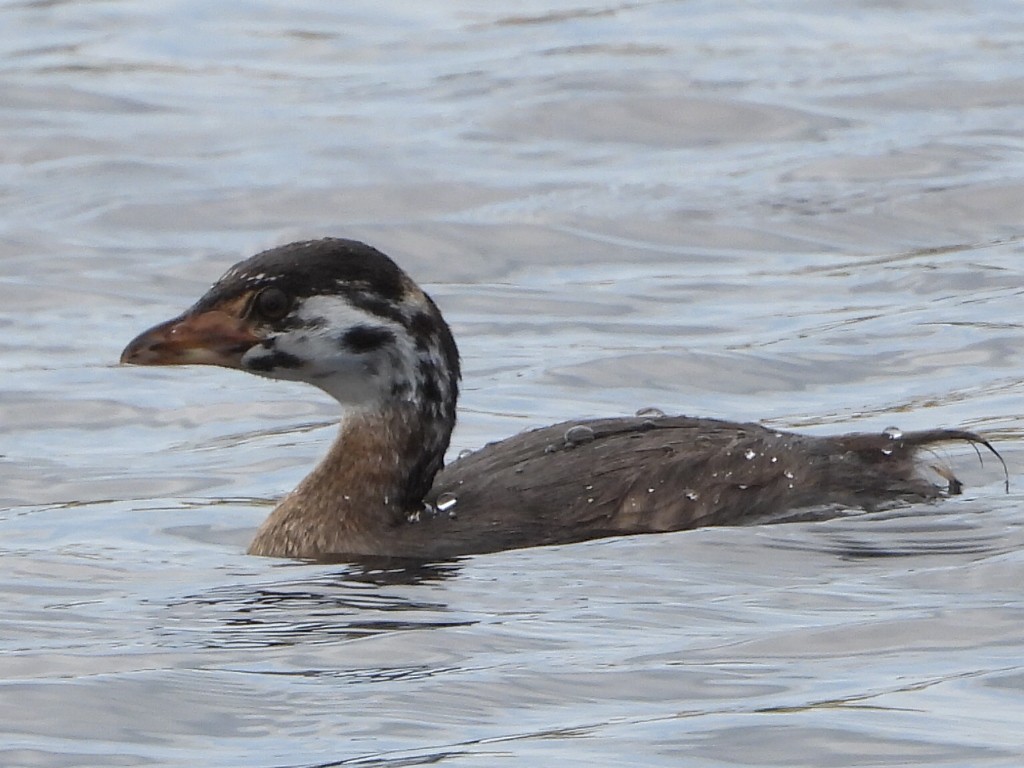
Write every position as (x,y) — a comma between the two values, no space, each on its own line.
(889,443)
(933,436)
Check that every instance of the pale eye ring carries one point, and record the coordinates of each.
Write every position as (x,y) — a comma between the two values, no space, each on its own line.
(272,303)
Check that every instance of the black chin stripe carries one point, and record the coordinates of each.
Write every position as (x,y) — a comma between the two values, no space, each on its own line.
(366,338)
(274,361)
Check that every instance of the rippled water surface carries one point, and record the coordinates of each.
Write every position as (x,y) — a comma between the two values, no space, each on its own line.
(783,212)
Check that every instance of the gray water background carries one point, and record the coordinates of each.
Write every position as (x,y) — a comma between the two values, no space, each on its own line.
(808,214)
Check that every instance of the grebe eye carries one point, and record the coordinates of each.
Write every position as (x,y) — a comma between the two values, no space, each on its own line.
(272,304)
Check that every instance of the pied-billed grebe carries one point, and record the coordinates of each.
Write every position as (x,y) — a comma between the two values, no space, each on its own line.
(342,316)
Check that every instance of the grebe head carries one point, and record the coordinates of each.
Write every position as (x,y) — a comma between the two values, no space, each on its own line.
(334,313)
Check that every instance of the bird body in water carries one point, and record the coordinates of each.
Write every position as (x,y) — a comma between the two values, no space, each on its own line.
(344,317)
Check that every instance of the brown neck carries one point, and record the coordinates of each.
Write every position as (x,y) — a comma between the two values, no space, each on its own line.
(377,471)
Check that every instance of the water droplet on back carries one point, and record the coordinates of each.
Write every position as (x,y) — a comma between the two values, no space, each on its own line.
(893,433)
(446,501)
(650,413)
(578,435)
(465,452)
